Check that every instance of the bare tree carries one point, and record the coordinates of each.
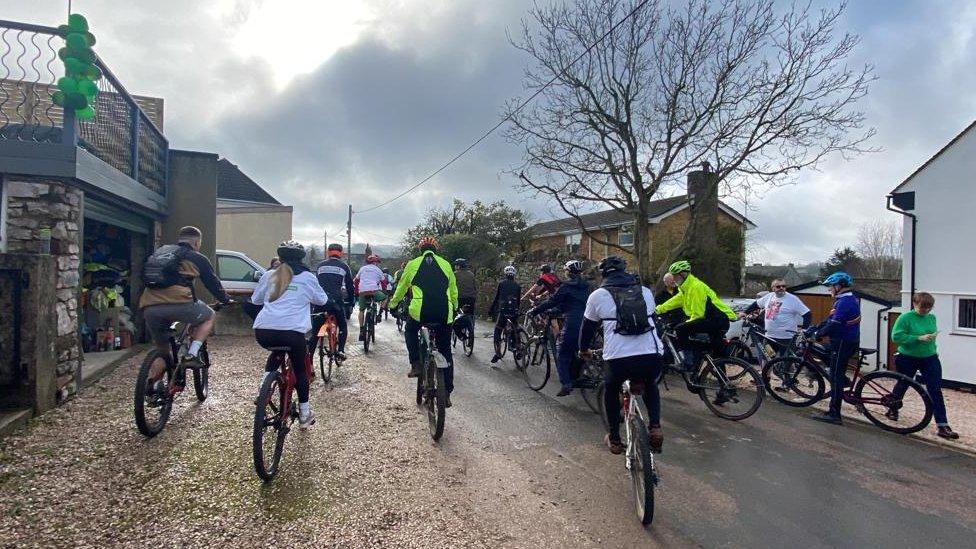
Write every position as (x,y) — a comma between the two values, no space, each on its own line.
(756,92)
(879,243)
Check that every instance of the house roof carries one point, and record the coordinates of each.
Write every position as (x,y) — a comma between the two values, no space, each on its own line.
(879,290)
(613,218)
(934,157)
(234,184)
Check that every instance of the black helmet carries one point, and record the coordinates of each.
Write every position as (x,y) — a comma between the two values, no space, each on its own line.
(547,268)
(290,250)
(461,262)
(612,264)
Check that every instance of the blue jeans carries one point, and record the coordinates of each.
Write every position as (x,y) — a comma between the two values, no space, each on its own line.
(931,369)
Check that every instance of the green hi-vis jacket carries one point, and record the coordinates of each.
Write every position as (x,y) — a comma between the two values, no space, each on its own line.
(693,297)
(433,289)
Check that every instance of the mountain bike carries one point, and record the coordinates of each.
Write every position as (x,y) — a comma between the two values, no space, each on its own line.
(153,401)
(328,346)
(464,329)
(592,378)
(431,389)
(401,315)
(890,400)
(757,348)
(540,351)
(637,455)
(276,409)
(513,338)
(369,322)
(730,387)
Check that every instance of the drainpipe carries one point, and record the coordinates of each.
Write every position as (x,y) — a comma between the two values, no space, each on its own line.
(877,337)
(914,219)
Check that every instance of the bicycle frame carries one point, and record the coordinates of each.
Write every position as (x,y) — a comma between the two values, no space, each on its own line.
(756,341)
(816,358)
(692,378)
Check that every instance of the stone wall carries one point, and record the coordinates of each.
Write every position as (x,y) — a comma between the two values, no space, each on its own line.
(33,205)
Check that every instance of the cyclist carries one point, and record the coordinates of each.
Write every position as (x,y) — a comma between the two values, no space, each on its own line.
(783,312)
(390,287)
(286,294)
(505,306)
(843,327)
(169,296)
(467,291)
(434,291)
(631,348)
(570,298)
(370,282)
(707,314)
(545,285)
(333,274)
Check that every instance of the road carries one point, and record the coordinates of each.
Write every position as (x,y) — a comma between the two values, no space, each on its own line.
(515,469)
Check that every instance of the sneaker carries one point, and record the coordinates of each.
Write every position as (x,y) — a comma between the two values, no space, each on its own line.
(892,414)
(306,421)
(721,399)
(192,361)
(414,370)
(495,359)
(155,393)
(447,403)
(615,446)
(362,335)
(564,391)
(340,356)
(946,432)
(656,437)
(827,417)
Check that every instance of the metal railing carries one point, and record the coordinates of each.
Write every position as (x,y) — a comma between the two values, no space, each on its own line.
(122,133)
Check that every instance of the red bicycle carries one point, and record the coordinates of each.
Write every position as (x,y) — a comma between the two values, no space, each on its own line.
(328,344)
(276,409)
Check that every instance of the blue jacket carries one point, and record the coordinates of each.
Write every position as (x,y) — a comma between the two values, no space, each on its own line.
(571,299)
(844,321)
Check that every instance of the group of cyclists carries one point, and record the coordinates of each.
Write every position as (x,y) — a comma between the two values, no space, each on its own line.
(427,290)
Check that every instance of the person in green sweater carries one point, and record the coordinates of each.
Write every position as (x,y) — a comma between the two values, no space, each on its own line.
(915,333)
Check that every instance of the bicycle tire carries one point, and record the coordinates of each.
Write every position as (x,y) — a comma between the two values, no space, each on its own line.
(469,350)
(270,399)
(325,361)
(520,351)
(538,367)
(792,373)
(152,428)
(873,379)
(601,395)
(201,377)
(748,381)
(436,400)
(420,390)
(737,349)
(641,468)
(366,335)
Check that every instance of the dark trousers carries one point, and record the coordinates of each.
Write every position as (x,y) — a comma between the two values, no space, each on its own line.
(640,368)
(339,313)
(567,347)
(840,354)
(715,329)
(466,305)
(931,369)
(503,319)
(442,339)
(296,342)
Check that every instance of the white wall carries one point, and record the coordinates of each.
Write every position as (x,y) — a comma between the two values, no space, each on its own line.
(869,326)
(945,204)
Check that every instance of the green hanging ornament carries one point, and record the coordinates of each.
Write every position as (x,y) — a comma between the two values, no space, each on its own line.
(67,84)
(87,113)
(77,41)
(77,90)
(87,88)
(75,101)
(77,23)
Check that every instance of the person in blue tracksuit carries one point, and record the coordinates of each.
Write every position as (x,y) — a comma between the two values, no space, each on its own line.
(843,327)
(570,298)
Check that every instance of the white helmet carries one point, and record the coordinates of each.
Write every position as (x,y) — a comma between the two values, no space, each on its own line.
(510,270)
(574,266)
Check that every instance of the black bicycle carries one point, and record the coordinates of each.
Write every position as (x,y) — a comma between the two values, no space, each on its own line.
(463,329)
(431,388)
(592,378)
(540,351)
(514,338)
(369,323)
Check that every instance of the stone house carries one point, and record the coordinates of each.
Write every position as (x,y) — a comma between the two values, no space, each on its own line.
(249,219)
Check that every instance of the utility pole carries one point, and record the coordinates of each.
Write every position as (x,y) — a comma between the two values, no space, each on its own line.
(349,234)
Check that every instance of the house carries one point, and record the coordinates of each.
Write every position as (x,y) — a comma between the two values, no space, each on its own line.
(668,220)
(758,277)
(249,219)
(937,201)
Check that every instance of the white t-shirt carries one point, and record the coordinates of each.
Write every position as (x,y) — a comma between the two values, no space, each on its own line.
(600,307)
(782,314)
(291,310)
(370,278)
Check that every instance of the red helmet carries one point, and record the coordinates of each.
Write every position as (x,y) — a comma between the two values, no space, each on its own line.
(427,243)
(373,259)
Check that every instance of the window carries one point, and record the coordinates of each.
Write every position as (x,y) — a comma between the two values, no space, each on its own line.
(573,242)
(625,236)
(965,314)
(234,268)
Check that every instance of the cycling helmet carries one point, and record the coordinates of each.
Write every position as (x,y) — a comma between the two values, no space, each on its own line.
(510,270)
(373,258)
(679,267)
(840,278)
(290,250)
(461,262)
(612,264)
(335,250)
(427,243)
(547,268)
(574,266)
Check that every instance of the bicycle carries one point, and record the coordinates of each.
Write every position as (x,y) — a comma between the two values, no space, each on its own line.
(328,346)
(540,351)
(369,323)
(874,394)
(637,455)
(150,397)
(276,409)
(592,378)
(465,323)
(431,389)
(722,383)
(757,348)
(515,338)
(401,314)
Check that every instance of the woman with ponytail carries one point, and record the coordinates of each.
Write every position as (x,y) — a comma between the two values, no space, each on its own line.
(287,294)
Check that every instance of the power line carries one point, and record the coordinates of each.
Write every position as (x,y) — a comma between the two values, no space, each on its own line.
(507,118)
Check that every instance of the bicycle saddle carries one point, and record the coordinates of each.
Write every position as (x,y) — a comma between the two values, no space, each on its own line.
(867,352)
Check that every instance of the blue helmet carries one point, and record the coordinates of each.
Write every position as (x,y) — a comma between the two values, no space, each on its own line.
(840,278)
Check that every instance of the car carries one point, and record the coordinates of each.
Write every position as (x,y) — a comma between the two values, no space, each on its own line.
(237,272)
(738,305)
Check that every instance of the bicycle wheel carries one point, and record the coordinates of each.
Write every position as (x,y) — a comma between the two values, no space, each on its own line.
(520,348)
(201,377)
(879,402)
(325,361)
(151,407)
(793,381)
(591,398)
(270,426)
(731,388)
(436,400)
(469,347)
(367,336)
(538,365)
(737,349)
(640,462)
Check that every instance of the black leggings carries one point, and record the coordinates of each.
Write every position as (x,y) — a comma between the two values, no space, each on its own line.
(296,342)
(640,368)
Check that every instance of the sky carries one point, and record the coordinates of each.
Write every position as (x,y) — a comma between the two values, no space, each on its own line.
(327,103)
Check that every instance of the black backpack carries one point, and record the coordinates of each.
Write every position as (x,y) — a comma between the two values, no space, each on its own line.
(632,318)
(162,268)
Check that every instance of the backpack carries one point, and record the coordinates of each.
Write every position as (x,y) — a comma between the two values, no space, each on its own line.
(162,268)
(632,318)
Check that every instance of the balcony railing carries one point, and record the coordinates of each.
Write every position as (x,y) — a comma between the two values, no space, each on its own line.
(123,133)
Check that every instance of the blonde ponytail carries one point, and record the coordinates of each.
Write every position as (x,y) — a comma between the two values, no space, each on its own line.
(280,280)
